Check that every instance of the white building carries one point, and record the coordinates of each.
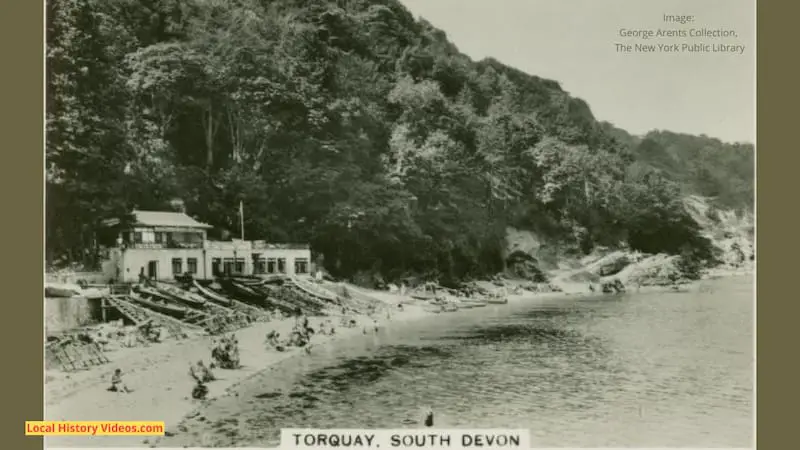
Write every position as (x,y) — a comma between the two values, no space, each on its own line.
(163,245)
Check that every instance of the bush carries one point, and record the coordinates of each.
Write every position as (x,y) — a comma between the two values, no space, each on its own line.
(690,264)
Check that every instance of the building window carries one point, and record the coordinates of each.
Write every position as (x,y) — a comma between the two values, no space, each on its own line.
(301,265)
(239,265)
(159,238)
(177,266)
(282,265)
(216,266)
(191,265)
(259,266)
(228,266)
(271,265)
(137,237)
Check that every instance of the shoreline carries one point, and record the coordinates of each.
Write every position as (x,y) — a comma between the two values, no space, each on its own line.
(158,375)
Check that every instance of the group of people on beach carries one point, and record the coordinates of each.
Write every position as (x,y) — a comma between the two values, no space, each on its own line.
(300,335)
(225,349)
(225,352)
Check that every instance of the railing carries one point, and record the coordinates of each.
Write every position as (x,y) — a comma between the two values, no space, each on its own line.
(261,245)
(165,245)
(226,245)
(220,245)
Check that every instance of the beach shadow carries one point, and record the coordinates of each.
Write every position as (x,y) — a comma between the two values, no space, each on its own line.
(268,395)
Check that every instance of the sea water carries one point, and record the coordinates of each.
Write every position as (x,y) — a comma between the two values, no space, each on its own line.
(656,369)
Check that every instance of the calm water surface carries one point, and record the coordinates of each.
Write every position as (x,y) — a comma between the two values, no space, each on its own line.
(667,369)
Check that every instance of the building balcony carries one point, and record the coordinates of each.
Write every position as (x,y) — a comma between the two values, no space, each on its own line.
(262,245)
(228,245)
(165,245)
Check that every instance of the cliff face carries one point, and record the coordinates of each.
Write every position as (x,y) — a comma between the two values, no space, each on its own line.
(731,232)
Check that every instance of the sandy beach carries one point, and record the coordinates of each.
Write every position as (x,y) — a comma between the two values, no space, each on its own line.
(159,374)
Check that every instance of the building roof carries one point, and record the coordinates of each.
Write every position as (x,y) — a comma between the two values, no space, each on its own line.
(163,219)
(166,219)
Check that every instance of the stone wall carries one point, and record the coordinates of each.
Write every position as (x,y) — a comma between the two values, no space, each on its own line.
(63,314)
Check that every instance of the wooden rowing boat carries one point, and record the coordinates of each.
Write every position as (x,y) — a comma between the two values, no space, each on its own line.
(188,298)
(472,302)
(260,297)
(211,295)
(59,292)
(178,312)
(154,293)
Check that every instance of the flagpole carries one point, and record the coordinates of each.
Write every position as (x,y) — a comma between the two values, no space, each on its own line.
(241,217)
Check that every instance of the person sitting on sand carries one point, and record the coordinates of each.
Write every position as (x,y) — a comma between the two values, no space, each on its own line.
(201,373)
(116,382)
(297,339)
(216,355)
(200,390)
(232,352)
(307,329)
(322,328)
(273,339)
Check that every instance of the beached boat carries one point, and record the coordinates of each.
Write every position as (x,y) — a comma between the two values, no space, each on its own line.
(497,301)
(162,306)
(59,292)
(304,300)
(469,305)
(450,307)
(427,292)
(236,305)
(249,282)
(466,303)
(263,297)
(211,295)
(167,297)
(240,292)
(436,309)
(290,302)
(188,298)
(312,290)
(154,293)
(274,278)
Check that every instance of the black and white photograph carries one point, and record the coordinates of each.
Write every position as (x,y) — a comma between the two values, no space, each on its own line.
(529,221)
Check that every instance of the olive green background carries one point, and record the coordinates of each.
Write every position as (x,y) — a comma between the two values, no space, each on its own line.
(22,122)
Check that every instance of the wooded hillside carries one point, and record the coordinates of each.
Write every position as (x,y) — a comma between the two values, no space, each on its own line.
(354,127)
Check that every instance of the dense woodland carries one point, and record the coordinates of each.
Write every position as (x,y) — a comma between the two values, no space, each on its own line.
(355,127)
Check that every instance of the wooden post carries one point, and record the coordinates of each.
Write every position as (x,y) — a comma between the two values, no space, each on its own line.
(103,307)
